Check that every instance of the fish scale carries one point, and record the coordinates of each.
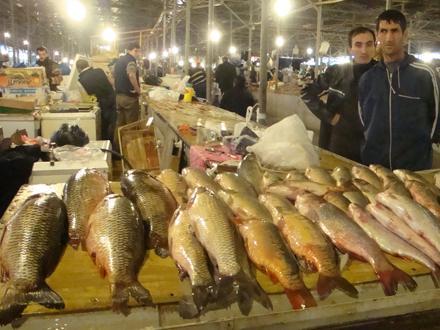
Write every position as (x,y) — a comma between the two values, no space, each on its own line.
(175,183)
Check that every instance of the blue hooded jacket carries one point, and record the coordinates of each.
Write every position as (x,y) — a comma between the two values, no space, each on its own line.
(399,112)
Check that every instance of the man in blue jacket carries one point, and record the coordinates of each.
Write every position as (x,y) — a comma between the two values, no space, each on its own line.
(398,102)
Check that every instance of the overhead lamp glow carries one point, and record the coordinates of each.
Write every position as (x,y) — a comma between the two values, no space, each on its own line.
(282,7)
(25,43)
(193,65)
(215,35)
(180,63)
(165,54)
(309,51)
(232,50)
(109,34)
(152,56)
(75,10)
(65,60)
(56,53)
(7,35)
(71,62)
(175,50)
(191,60)
(279,41)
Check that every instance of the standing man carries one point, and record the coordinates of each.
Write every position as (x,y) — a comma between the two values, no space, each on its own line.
(225,74)
(398,102)
(341,129)
(126,74)
(96,82)
(53,72)
(198,80)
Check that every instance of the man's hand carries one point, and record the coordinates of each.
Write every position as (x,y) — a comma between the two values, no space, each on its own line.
(310,93)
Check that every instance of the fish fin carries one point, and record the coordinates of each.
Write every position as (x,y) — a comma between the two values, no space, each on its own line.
(140,294)
(391,279)
(326,284)
(202,294)
(46,297)
(188,309)
(119,295)
(301,298)
(159,244)
(13,304)
(248,290)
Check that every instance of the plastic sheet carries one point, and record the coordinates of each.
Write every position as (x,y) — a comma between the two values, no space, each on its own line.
(73,153)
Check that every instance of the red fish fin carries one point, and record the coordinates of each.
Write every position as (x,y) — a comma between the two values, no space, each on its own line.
(391,279)
(301,298)
(326,284)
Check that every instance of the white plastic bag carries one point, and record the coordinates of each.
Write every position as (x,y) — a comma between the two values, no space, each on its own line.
(163,94)
(286,145)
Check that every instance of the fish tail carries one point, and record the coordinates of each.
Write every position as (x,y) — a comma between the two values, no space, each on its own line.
(300,298)
(326,284)
(46,297)
(140,294)
(248,290)
(202,295)
(391,279)
(188,309)
(119,295)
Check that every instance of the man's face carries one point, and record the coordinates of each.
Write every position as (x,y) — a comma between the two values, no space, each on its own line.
(42,55)
(135,52)
(362,48)
(391,38)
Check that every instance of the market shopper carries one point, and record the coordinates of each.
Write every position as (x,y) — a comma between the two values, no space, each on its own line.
(225,74)
(239,98)
(198,80)
(96,82)
(53,72)
(341,130)
(126,74)
(398,102)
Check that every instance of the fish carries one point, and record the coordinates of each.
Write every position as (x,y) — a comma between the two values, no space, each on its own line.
(406,175)
(233,182)
(266,249)
(341,175)
(423,222)
(291,189)
(390,242)
(367,189)
(191,261)
(270,179)
(385,174)
(424,196)
(338,200)
(245,207)
(156,205)
(82,193)
(398,226)
(307,205)
(306,241)
(356,197)
(365,174)
(211,221)
(250,170)
(295,175)
(319,175)
(347,236)
(196,177)
(175,183)
(116,243)
(437,179)
(32,244)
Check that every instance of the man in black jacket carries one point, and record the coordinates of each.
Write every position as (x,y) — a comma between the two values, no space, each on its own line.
(225,74)
(398,102)
(96,82)
(341,130)
(239,98)
(53,72)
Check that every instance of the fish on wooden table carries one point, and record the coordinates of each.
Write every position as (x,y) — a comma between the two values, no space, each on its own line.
(367,189)
(191,261)
(356,197)
(307,204)
(233,182)
(420,219)
(195,177)
(82,193)
(390,181)
(424,196)
(347,236)
(367,175)
(250,170)
(270,178)
(390,242)
(407,175)
(156,205)
(319,175)
(295,175)
(338,200)
(175,183)
(116,243)
(398,226)
(308,242)
(211,220)
(341,175)
(32,244)
(291,189)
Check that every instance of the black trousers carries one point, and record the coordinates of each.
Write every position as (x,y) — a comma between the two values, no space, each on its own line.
(108,117)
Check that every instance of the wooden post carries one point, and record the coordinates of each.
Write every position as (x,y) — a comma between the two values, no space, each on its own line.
(187,35)
(209,74)
(262,96)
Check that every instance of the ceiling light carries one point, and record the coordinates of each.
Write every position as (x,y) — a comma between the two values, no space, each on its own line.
(215,35)
(25,43)
(75,10)
(279,41)
(7,35)
(165,54)
(282,7)
(175,50)
(108,34)
(232,50)
(152,56)
(309,51)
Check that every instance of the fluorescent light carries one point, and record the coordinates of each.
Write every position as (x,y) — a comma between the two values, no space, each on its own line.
(309,51)
(152,56)
(175,50)
(108,34)
(282,7)
(75,10)
(7,35)
(279,41)
(165,54)
(25,43)
(180,63)
(215,35)
(232,50)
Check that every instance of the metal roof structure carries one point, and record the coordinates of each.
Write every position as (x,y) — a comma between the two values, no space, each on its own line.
(46,22)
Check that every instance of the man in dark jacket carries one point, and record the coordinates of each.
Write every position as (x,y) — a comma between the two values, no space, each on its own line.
(96,82)
(341,130)
(53,72)
(238,98)
(398,102)
(225,74)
